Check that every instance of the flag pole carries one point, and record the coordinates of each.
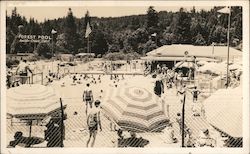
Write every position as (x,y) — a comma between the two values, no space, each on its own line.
(228,43)
(88,48)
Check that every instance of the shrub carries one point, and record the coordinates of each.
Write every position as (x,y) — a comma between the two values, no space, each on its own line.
(11,62)
(59,49)
(121,56)
(132,56)
(44,50)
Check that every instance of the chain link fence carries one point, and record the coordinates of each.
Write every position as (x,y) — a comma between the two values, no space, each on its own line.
(198,131)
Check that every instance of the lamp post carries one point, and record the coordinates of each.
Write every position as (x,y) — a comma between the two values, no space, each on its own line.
(228,43)
(227,11)
(52,33)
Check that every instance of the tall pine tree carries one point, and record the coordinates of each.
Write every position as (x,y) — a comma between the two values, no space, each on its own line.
(71,37)
(152,20)
(181,26)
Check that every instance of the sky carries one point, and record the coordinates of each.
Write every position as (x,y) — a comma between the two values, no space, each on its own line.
(40,13)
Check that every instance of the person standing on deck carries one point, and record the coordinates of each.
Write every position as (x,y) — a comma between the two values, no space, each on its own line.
(179,121)
(22,71)
(93,122)
(88,97)
(181,93)
(195,94)
(165,105)
(159,88)
(8,78)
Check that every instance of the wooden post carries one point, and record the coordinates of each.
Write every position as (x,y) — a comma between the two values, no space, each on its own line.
(126,65)
(31,78)
(62,124)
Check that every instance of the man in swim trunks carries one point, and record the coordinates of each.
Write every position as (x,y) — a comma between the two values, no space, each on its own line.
(88,97)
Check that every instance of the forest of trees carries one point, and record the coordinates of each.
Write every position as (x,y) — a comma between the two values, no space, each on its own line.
(129,34)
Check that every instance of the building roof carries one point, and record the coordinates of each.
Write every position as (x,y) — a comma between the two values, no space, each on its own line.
(178,50)
(155,58)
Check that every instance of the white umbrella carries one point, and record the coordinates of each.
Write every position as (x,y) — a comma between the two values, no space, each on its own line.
(185,64)
(224,111)
(32,101)
(217,68)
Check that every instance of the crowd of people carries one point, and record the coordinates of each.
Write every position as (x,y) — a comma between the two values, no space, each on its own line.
(197,106)
(174,79)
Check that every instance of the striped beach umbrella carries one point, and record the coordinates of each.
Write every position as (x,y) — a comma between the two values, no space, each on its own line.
(135,109)
(32,101)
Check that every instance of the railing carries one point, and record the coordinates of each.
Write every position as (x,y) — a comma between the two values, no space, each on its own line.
(35,80)
(16,80)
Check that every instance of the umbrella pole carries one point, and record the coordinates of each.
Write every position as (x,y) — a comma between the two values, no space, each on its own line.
(183,122)
(30,123)
(183,116)
(62,117)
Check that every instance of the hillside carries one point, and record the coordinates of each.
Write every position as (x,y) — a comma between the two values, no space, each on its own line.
(136,33)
